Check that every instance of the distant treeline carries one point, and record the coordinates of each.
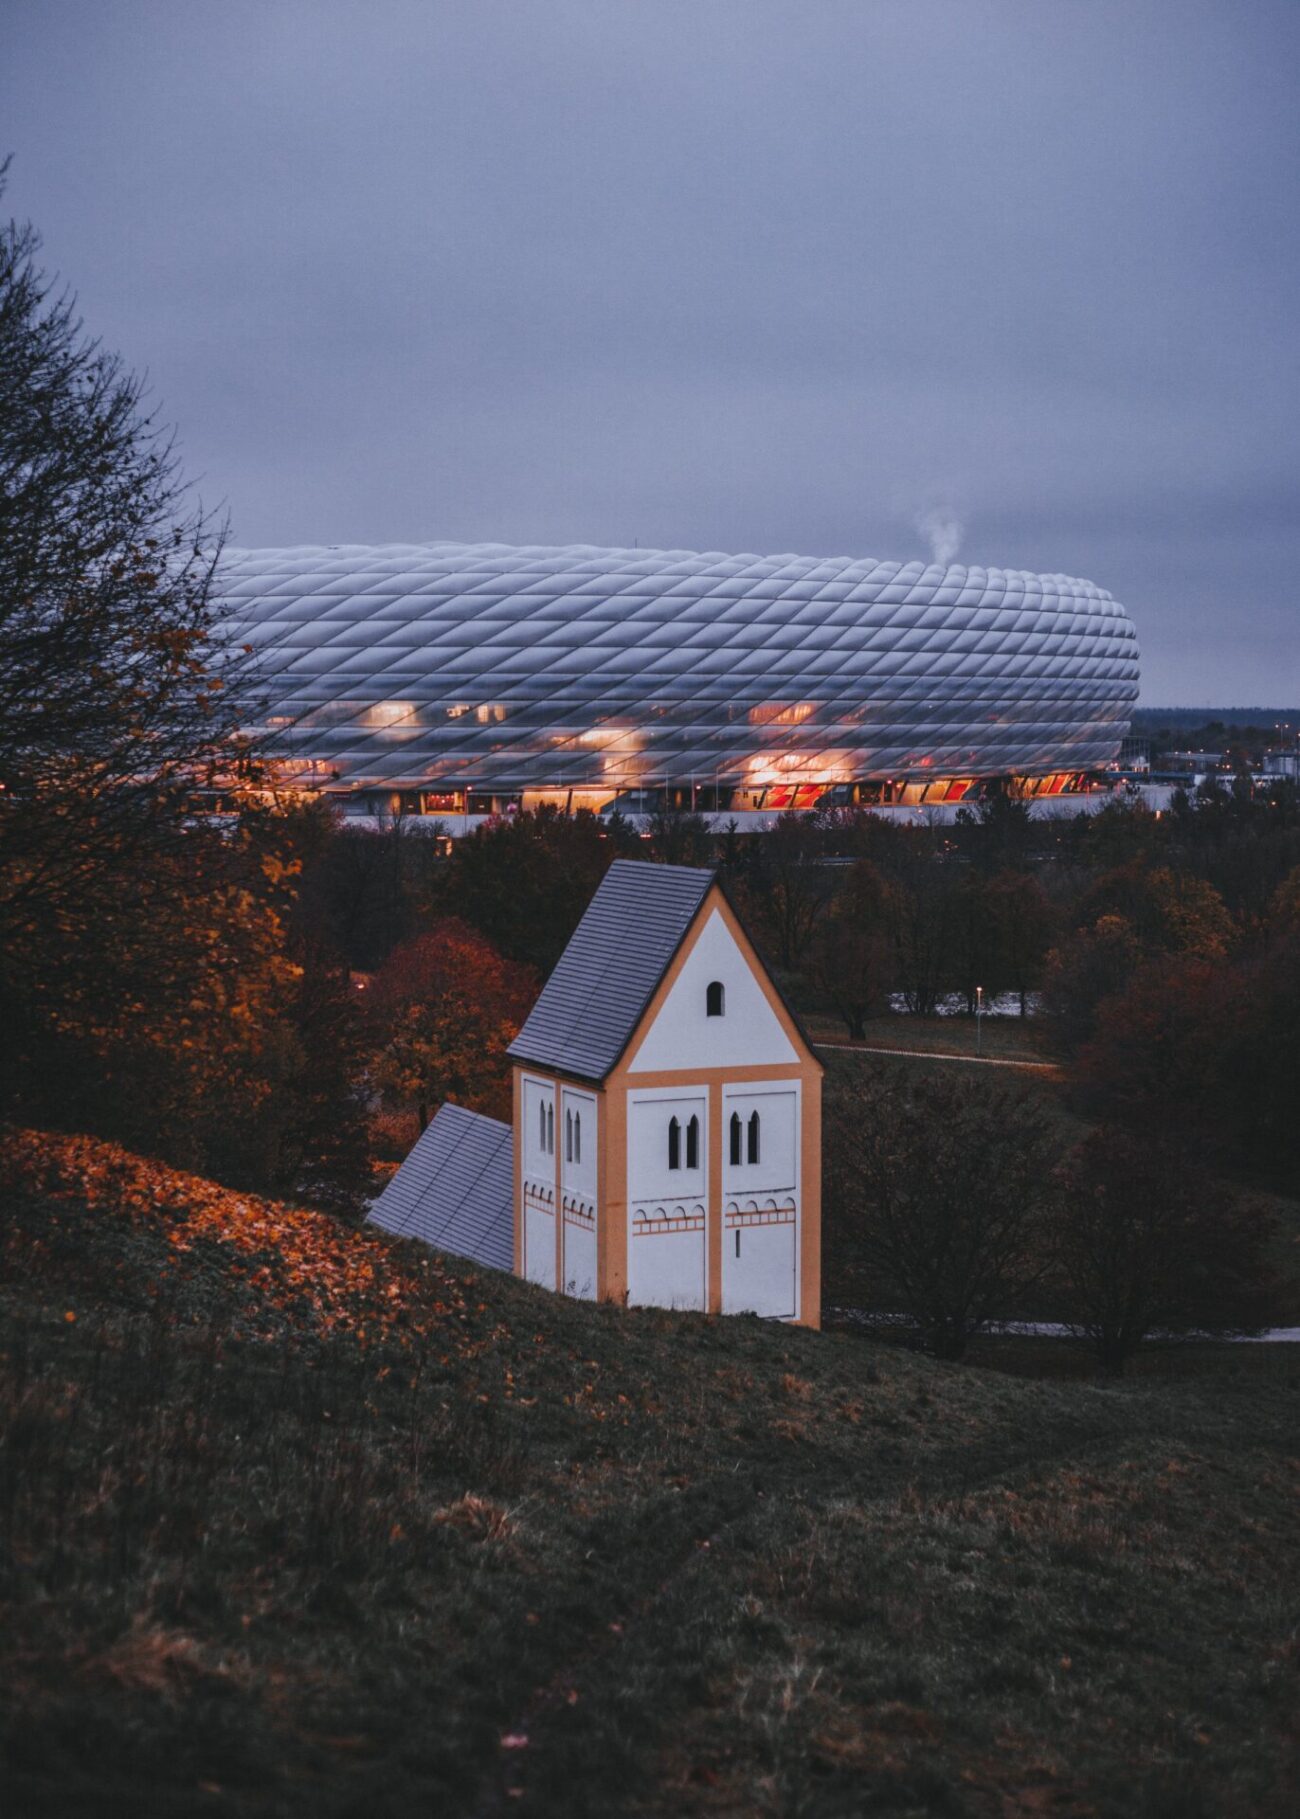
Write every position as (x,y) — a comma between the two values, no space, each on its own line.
(1172,719)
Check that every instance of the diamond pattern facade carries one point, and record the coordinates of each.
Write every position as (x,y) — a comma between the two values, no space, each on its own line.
(452,666)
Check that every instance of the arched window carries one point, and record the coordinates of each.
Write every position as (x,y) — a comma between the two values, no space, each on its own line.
(568,1135)
(715,999)
(674,1144)
(541,1125)
(693,1143)
(735,1140)
(577,1136)
(550,1130)
(753,1136)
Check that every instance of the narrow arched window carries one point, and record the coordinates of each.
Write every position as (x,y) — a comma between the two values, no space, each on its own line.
(568,1135)
(541,1125)
(674,1144)
(693,1143)
(753,1136)
(550,1130)
(715,999)
(735,1140)
(577,1136)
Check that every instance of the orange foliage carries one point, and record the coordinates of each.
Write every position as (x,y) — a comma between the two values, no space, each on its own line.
(333,1278)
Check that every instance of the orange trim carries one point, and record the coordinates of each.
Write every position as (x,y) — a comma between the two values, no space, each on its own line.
(713,1244)
(611,1228)
(517,1130)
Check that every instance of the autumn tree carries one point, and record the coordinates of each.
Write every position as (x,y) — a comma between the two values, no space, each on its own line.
(1203,1057)
(921,930)
(524,880)
(998,830)
(443,1009)
(790,887)
(1085,970)
(1145,1245)
(1170,912)
(973,949)
(851,954)
(1023,918)
(119,698)
(937,1195)
(680,837)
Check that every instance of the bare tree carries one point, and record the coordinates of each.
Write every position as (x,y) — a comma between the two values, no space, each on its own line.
(938,1194)
(1145,1244)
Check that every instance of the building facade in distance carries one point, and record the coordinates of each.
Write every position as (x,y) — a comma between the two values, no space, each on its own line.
(665,1149)
(459,679)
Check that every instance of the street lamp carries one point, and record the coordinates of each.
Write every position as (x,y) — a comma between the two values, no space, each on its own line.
(979,1013)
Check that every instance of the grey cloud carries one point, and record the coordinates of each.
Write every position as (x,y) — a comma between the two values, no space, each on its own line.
(733,275)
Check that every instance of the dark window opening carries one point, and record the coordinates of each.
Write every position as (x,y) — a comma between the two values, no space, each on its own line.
(674,1144)
(753,1137)
(568,1136)
(735,1140)
(715,999)
(693,1143)
(577,1136)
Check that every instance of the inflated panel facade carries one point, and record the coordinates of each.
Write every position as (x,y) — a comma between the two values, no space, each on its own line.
(451,666)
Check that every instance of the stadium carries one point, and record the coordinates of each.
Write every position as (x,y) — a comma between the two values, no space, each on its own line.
(464,679)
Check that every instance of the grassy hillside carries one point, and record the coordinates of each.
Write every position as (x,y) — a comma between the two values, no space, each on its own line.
(300,1520)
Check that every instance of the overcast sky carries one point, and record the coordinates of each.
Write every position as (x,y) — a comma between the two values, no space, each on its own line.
(835,277)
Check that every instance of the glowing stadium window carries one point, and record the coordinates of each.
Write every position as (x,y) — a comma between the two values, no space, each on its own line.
(488,712)
(389,713)
(782,713)
(715,999)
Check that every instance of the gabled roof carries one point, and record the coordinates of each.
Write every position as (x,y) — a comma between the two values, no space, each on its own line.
(592,1003)
(456,1189)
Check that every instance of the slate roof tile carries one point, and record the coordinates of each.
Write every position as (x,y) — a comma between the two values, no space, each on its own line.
(593,1001)
(456,1189)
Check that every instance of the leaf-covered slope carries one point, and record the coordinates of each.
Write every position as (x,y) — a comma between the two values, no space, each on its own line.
(300,1519)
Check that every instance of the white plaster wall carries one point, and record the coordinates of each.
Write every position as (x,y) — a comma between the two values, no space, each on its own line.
(684,1036)
(777,1105)
(579,1259)
(761,1202)
(538,1163)
(649,1111)
(760,1269)
(579,1172)
(538,1185)
(667,1259)
(578,1195)
(539,1241)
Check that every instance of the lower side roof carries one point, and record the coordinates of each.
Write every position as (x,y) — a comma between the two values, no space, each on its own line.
(456,1189)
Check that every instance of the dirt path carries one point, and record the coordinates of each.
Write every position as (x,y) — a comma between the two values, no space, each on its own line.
(926,1054)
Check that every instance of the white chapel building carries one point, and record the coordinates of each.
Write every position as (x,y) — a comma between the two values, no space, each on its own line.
(665,1148)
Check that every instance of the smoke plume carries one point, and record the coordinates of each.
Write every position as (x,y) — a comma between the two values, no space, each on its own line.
(944,530)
